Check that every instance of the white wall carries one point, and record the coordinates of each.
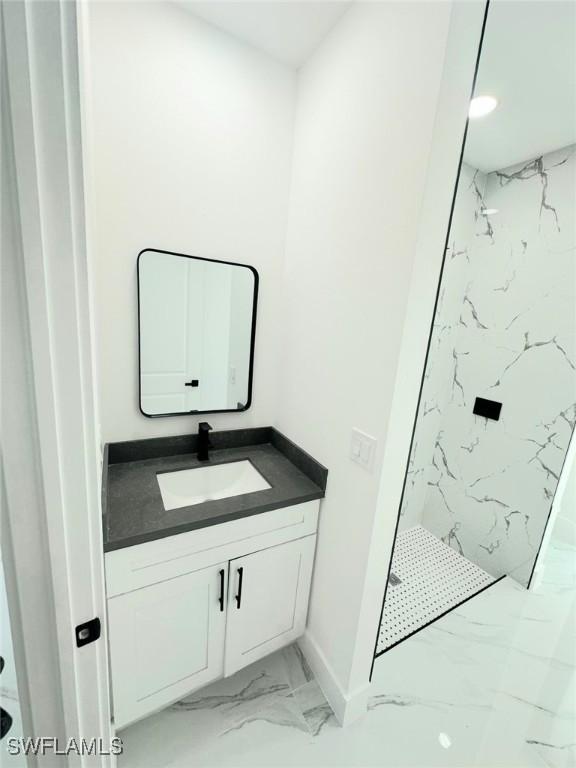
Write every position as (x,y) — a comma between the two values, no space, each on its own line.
(190,143)
(366,110)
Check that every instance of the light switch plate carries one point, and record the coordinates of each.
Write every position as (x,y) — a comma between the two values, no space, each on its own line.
(363,449)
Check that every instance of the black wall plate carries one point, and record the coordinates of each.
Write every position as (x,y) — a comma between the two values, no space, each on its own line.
(490,409)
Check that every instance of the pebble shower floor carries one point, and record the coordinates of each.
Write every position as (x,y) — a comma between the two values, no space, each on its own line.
(434,578)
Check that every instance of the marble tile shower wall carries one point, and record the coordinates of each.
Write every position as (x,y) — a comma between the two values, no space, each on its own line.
(467,224)
(505,330)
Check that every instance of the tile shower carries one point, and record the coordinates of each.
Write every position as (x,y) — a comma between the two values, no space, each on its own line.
(503,330)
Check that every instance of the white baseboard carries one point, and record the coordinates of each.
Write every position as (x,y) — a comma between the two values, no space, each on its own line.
(347,707)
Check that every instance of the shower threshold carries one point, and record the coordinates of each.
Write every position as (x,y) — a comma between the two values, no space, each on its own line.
(427,579)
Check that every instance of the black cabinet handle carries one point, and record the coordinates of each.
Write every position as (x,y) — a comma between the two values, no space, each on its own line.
(221,598)
(193,383)
(239,595)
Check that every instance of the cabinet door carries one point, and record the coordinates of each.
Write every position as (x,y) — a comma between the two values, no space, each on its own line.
(166,640)
(268,601)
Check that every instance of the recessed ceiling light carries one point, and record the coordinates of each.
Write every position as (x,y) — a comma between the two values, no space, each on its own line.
(488,211)
(482,105)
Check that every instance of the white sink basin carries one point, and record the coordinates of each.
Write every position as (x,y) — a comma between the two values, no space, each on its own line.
(218,481)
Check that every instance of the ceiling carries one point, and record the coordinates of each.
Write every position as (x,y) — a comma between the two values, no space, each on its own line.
(288,31)
(529,63)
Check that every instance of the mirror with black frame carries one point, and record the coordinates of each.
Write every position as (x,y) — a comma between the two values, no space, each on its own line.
(196,322)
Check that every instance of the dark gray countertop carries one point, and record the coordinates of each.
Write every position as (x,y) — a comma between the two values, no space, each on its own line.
(133,511)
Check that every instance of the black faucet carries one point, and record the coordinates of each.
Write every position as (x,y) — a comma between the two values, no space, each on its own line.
(203,441)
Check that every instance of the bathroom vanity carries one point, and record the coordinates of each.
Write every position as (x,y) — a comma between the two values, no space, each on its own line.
(208,564)
(209,539)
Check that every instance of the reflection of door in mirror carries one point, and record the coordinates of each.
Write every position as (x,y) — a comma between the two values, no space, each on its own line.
(196,319)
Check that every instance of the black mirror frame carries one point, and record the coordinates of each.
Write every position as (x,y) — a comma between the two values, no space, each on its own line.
(252,335)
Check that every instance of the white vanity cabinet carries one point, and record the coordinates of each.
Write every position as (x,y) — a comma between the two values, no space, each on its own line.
(165,640)
(269,601)
(188,609)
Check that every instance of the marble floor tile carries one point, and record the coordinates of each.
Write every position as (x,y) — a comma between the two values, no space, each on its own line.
(489,685)
(560,568)
(297,670)
(314,707)
(259,695)
(269,734)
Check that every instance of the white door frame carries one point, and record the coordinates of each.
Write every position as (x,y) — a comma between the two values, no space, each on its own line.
(58,455)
